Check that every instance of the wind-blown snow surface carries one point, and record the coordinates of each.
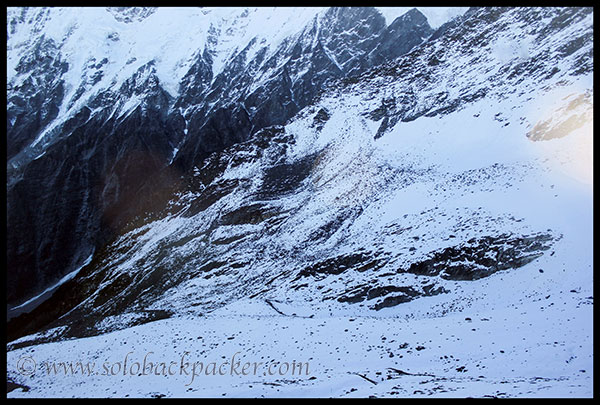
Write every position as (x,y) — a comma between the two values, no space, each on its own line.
(504,163)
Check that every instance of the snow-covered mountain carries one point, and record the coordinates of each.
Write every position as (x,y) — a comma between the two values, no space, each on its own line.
(108,108)
(407,209)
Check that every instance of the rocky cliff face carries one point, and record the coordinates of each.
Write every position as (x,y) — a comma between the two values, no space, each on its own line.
(86,161)
(266,89)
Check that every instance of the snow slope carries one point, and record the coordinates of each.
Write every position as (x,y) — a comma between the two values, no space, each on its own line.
(400,168)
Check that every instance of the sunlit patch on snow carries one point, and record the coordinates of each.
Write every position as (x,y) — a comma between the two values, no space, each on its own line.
(565,135)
